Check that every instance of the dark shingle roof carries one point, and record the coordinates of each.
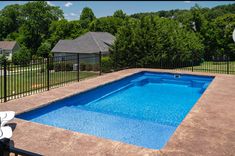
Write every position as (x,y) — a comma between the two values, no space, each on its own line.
(91,42)
(8,45)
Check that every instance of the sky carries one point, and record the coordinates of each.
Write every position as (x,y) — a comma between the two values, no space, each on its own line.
(72,9)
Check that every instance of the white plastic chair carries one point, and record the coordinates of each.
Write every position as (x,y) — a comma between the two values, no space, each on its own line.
(6,116)
(5,132)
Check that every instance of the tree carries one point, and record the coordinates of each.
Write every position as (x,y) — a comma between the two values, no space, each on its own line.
(10,20)
(87,16)
(4,27)
(44,50)
(106,24)
(64,29)
(35,28)
(220,10)
(21,57)
(119,14)
(222,28)
(197,19)
(2,59)
(152,40)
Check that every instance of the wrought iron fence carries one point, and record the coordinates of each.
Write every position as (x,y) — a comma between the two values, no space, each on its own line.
(7,149)
(216,65)
(43,74)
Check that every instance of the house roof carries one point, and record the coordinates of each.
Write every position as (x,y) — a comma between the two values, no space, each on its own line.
(91,42)
(7,45)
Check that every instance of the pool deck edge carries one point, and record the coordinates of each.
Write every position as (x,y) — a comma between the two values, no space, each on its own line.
(208,129)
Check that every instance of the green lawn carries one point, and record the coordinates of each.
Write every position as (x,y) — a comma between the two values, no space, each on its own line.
(213,67)
(26,81)
(34,79)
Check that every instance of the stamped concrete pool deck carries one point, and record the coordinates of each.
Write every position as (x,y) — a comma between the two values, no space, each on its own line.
(208,129)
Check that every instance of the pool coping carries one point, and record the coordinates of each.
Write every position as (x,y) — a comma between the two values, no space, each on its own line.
(182,142)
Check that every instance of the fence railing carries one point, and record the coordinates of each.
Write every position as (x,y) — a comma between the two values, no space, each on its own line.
(216,65)
(220,66)
(7,149)
(43,74)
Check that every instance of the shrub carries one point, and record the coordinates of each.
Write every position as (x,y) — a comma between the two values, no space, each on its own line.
(88,67)
(44,50)
(82,66)
(51,65)
(96,67)
(21,57)
(106,64)
(2,59)
(63,66)
(42,70)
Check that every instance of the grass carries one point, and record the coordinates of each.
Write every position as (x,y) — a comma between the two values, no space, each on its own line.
(23,82)
(213,67)
(34,79)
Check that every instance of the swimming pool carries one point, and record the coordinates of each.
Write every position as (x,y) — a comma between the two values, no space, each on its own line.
(143,109)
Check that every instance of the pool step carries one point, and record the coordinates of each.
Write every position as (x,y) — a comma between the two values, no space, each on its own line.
(138,132)
(192,83)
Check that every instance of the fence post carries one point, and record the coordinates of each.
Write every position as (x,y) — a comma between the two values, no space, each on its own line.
(5,80)
(227,65)
(78,67)
(192,62)
(100,62)
(48,73)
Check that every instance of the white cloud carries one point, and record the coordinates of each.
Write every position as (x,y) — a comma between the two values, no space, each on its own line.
(72,14)
(187,1)
(49,3)
(68,4)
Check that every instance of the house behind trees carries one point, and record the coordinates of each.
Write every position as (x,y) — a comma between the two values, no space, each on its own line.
(88,46)
(7,48)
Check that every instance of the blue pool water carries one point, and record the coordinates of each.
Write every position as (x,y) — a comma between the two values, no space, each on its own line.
(143,109)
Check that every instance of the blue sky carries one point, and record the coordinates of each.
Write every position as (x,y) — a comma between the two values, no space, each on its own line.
(72,9)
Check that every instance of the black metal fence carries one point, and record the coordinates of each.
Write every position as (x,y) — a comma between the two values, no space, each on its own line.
(216,65)
(7,149)
(220,65)
(42,74)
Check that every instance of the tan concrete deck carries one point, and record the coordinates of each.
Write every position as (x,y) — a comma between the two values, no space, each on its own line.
(208,129)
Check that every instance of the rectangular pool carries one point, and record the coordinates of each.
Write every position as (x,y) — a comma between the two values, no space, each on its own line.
(143,109)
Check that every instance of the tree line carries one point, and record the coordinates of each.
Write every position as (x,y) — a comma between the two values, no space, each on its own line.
(141,39)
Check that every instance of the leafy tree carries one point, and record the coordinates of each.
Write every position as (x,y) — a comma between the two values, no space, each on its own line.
(76,29)
(10,19)
(197,20)
(222,28)
(2,59)
(106,64)
(64,29)
(153,40)
(106,24)
(119,14)
(4,27)
(37,18)
(39,26)
(221,10)
(44,50)
(87,16)
(21,57)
